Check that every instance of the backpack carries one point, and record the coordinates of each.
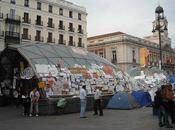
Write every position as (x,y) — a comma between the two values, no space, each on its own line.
(168,93)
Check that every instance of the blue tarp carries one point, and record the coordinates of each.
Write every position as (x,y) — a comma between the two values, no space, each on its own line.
(171,78)
(143,98)
(122,100)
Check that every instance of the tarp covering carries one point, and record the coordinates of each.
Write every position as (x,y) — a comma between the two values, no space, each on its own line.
(122,100)
(143,98)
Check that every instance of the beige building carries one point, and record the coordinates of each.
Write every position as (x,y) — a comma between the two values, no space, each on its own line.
(47,21)
(124,51)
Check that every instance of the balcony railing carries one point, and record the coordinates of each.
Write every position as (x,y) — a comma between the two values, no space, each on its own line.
(26,20)
(61,27)
(40,23)
(40,39)
(71,29)
(114,61)
(62,42)
(26,37)
(80,44)
(1,15)
(50,25)
(13,17)
(12,34)
(51,40)
(71,43)
(80,31)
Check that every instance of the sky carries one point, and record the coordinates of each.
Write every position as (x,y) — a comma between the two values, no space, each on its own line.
(133,17)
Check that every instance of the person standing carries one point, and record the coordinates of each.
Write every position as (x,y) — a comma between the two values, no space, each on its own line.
(83,101)
(26,104)
(34,96)
(97,102)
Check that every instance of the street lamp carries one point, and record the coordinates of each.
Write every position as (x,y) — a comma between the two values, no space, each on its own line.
(160,28)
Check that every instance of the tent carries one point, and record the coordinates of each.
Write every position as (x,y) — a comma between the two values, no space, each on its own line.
(143,98)
(122,100)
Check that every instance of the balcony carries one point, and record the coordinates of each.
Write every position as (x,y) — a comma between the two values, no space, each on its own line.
(61,27)
(80,31)
(1,15)
(28,20)
(39,39)
(80,45)
(71,29)
(50,25)
(26,37)
(38,22)
(15,19)
(63,42)
(71,43)
(51,40)
(12,37)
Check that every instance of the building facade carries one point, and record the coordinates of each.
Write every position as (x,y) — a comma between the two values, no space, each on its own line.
(124,51)
(47,21)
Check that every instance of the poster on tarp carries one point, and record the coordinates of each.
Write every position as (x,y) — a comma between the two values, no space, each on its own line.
(45,70)
(27,73)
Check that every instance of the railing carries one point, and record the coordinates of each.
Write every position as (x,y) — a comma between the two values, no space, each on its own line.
(62,42)
(40,39)
(13,17)
(114,61)
(51,25)
(80,31)
(51,40)
(12,34)
(80,44)
(1,15)
(61,27)
(26,20)
(71,43)
(71,29)
(37,22)
(26,37)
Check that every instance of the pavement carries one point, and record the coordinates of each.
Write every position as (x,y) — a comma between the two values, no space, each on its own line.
(138,119)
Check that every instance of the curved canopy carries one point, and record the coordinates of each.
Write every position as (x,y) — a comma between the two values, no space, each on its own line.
(52,54)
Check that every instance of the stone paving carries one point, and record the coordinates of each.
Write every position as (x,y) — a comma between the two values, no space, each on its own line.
(137,119)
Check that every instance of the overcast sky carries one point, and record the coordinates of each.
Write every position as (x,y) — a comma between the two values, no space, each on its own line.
(133,17)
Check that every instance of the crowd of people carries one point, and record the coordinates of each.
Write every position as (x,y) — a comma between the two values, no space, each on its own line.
(165,103)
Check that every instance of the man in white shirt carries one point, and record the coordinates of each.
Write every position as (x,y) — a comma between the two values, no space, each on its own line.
(83,101)
(97,103)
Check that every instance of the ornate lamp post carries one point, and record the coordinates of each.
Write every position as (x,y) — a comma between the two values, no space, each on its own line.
(160,28)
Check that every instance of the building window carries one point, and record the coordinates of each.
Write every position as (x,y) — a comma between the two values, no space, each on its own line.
(114,56)
(25,33)
(61,25)
(38,5)
(26,3)
(49,39)
(101,54)
(38,35)
(38,20)
(50,22)
(13,1)
(61,39)
(70,14)
(80,29)
(26,17)
(60,11)
(71,29)
(71,41)
(133,56)
(50,8)
(79,42)
(79,16)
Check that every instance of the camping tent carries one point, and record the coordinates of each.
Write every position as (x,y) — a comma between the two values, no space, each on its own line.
(122,100)
(143,98)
